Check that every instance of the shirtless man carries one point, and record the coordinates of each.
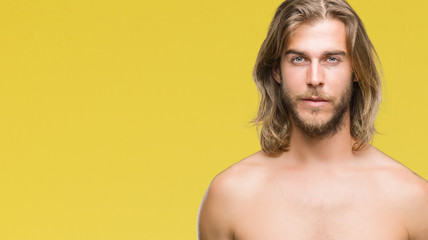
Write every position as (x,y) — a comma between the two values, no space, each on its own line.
(317,176)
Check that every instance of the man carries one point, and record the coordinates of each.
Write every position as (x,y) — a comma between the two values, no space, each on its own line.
(317,176)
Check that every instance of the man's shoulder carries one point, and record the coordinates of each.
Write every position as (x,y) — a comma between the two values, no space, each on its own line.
(415,206)
(396,176)
(408,191)
(240,179)
(227,193)
(411,192)
(405,185)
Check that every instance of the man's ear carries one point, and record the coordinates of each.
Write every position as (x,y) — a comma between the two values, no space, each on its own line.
(276,74)
(354,79)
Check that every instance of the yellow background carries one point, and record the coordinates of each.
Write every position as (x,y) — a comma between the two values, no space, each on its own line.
(116,115)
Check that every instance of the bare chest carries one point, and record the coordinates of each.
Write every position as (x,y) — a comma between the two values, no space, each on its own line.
(320,210)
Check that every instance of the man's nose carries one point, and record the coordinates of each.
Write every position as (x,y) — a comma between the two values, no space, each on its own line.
(315,76)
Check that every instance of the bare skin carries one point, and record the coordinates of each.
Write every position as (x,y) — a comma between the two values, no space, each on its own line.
(369,197)
(319,189)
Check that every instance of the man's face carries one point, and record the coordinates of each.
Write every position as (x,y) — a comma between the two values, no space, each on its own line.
(316,77)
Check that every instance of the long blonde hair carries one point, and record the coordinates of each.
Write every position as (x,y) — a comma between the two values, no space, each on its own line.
(366,96)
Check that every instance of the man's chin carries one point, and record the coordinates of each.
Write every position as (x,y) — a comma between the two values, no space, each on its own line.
(321,128)
(314,121)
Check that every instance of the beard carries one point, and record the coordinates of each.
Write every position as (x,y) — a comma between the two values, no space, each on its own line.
(315,127)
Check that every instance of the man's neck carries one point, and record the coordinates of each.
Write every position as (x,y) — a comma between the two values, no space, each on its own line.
(333,150)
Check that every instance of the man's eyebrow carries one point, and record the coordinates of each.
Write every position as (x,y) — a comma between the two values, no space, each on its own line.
(327,53)
(341,53)
(292,51)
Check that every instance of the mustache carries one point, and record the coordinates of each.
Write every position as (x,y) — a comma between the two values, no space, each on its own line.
(315,93)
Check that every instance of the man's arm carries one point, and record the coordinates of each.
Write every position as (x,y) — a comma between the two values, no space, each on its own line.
(216,211)
(418,211)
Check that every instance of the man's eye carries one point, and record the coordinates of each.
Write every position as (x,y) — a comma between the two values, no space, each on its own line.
(332,59)
(298,59)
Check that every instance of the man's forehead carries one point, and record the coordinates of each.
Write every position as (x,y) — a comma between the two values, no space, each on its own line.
(328,35)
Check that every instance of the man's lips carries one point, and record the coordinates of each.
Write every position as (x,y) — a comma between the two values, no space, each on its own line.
(315,101)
